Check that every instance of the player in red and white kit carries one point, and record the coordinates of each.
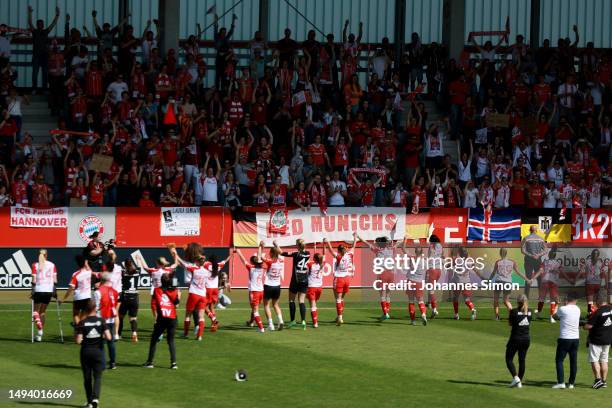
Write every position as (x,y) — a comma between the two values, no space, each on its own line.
(384,249)
(434,271)
(416,280)
(162,267)
(550,272)
(593,271)
(502,273)
(256,287)
(316,270)
(462,276)
(344,268)
(80,285)
(275,272)
(44,279)
(106,298)
(212,288)
(196,276)
(116,277)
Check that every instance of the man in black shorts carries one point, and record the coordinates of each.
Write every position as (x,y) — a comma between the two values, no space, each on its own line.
(299,281)
(129,297)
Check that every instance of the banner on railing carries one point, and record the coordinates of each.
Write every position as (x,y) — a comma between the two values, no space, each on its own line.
(180,221)
(84,221)
(26,217)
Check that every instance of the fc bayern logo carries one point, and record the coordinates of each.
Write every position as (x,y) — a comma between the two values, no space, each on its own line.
(89,225)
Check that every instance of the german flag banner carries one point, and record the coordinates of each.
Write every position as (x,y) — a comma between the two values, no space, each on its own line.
(550,227)
(448,224)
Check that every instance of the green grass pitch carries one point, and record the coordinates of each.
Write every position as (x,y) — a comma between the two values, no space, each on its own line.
(363,363)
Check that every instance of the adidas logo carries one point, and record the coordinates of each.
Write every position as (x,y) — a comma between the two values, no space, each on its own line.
(93,334)
(608,322)
(15,272)
(524,322)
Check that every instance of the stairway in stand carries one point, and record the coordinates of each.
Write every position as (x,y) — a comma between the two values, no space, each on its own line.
(37,120)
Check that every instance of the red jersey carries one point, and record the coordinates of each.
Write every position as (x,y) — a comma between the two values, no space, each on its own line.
(300,197)
(517,192)
(40,195)
(422,194)
(341,157)
(543,92)
(96,193)
(535,196)
(368,194)
(279,197)
(317,152)
(20,193)
(93,84)
(165,303)
(106,298)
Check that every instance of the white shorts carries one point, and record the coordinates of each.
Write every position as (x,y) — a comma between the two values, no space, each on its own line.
(598,354)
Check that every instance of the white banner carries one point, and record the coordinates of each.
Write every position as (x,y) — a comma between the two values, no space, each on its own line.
(84,221)
(180,221)
(337,225)
(25,217)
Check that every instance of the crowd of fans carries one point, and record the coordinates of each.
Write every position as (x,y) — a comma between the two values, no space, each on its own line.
(299,126)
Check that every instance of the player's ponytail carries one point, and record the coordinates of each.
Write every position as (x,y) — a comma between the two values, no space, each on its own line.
(523,303)
(42,256)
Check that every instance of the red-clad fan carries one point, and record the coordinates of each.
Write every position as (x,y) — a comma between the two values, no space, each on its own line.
(256,288)
(301,197)
(44,279)
(344,268)
(106,303)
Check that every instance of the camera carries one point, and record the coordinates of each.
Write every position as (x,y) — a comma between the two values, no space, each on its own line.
(110,244)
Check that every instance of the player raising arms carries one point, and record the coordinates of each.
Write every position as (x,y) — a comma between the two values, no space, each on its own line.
(162,267)
(416,280)
(383,249)
(80,285)
(550,272)
(502,272)
(256,287)
(275,271)
(44,279)
(212,289)
(592,270)
(299,281)
(315,284)
(344,268)
(115,272)
(434,254)
(462,277)
(196,301)
(129,297)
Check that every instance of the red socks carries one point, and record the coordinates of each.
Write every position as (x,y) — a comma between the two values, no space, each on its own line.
(339,307)
(186,325)
(258,321)
(456,306)
(540,306)
(212,316)
(201,328)
(385,306)
(37,320)
(411,310)
(469,304)
(553,308)
(315,316)
(433,301)
(422,308)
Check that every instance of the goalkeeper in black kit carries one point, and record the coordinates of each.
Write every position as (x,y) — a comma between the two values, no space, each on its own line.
(299,281)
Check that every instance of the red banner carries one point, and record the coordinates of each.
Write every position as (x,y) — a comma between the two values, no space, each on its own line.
(591,226)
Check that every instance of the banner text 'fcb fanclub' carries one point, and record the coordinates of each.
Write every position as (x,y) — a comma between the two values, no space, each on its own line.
(25,217)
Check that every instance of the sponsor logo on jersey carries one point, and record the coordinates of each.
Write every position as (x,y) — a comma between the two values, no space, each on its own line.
(15,272)
(89,225)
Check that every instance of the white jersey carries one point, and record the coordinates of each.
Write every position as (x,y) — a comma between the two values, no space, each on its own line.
(463,275)
(81,283)
(213,281)
(471,198)
(383,253)
(116,278)
(593,271)
(197,284)
(315,275)
(45,276)
(420,270)
(274,272)
(552,269)
(343,265)
(256,276)
(156,276)
(504,270)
